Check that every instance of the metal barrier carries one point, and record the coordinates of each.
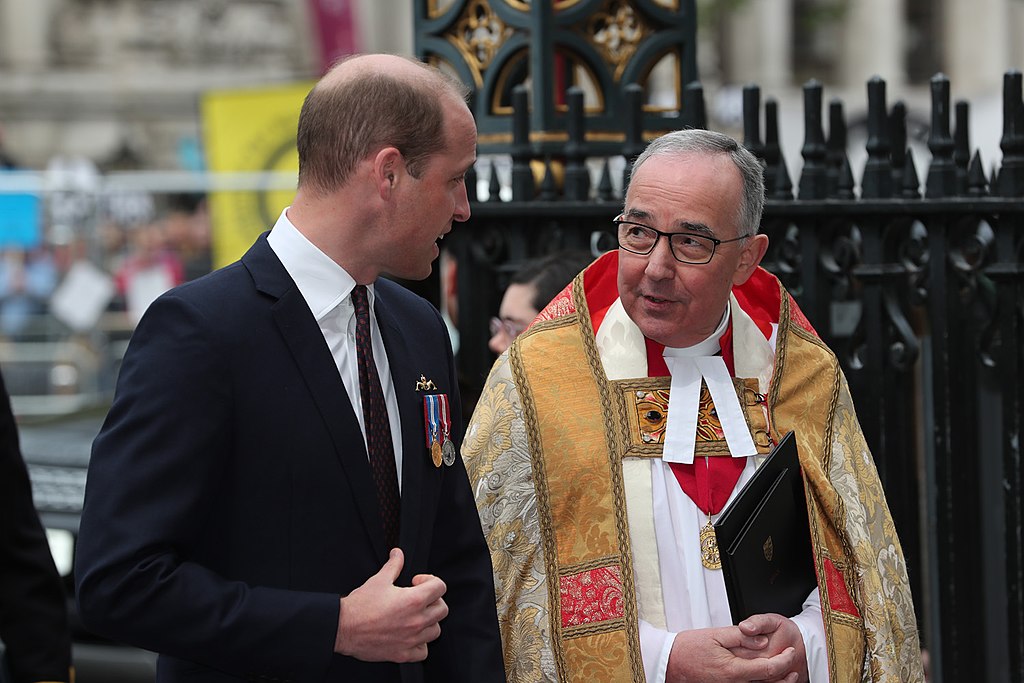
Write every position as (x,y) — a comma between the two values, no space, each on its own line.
(64,235)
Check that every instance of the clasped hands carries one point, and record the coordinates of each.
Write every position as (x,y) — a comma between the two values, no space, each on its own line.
(382,622)
(763,647)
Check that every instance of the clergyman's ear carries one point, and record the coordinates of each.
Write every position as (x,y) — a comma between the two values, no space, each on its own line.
(750,257)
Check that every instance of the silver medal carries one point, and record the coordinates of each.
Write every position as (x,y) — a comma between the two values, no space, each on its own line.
(448,452)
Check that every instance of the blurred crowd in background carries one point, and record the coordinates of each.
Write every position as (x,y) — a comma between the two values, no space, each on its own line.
(79,264)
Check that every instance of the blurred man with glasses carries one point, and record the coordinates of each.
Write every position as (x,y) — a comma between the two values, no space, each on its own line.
(612,433)
(531,288)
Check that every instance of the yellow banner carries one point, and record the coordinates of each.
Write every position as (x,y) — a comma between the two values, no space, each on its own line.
(250,131)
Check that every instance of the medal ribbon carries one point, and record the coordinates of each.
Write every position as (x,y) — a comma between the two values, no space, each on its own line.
(445,416)
(431,408)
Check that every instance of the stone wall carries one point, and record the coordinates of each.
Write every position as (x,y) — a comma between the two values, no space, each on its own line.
(119,81)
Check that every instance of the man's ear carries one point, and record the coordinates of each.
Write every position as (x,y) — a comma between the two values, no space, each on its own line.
(387,166)
(750,257)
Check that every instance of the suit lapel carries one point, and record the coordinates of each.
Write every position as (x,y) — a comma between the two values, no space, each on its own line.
(305,341)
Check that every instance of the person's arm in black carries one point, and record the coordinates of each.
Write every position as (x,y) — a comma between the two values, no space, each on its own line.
(33,606)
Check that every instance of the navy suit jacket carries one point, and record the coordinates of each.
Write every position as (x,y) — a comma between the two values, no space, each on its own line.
(230,501)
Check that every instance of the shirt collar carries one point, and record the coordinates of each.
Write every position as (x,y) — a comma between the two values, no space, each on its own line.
(322,282)
(709,347)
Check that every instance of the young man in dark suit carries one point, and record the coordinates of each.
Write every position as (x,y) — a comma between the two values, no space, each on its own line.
(274,494)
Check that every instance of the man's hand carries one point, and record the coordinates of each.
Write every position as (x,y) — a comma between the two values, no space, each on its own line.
(781,633)
(732,654)
(380,622)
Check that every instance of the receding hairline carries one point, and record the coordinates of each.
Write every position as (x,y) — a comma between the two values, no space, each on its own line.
(395,67)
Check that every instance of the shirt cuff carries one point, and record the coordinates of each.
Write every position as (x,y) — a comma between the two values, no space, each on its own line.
(655,648)
(812,630)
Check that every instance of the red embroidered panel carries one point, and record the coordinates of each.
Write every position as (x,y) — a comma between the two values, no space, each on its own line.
(838,597)
(561,305)
(591,596)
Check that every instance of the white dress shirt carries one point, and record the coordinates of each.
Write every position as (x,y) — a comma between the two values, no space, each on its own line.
(327,289)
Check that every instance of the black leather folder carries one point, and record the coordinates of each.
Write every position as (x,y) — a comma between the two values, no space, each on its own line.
(765,541)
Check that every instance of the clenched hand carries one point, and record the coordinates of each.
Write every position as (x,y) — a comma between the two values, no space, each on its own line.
(382,622)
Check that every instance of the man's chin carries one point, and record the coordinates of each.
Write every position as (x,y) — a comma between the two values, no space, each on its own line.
(664,332)
(422,273)
(411,274)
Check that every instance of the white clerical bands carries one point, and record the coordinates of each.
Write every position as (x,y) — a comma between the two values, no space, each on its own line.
(684,404)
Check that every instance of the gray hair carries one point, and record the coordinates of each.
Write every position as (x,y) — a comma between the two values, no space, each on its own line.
(706,142)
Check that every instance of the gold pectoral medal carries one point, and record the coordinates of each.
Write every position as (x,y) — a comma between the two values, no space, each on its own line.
(709,555)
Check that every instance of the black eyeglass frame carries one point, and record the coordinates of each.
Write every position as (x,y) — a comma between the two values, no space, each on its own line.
(668,235)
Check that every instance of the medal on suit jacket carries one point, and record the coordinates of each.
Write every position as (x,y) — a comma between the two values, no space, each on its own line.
(437,419)
(435,453)
(448,452)
(447,447)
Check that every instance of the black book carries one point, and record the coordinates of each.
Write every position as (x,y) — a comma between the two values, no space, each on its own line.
(765,541)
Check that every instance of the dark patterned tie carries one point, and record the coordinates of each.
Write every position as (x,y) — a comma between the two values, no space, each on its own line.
(375,415)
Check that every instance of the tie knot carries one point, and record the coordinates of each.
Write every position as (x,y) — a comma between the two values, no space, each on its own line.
(360,301)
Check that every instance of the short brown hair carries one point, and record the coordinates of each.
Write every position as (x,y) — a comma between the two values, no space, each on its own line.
(341,123)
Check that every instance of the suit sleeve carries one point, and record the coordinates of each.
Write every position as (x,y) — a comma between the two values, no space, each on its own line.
(469,648)
(33,607)
(164,453)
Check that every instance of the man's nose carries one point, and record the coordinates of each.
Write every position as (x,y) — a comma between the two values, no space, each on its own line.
(461,204)
(661,264)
